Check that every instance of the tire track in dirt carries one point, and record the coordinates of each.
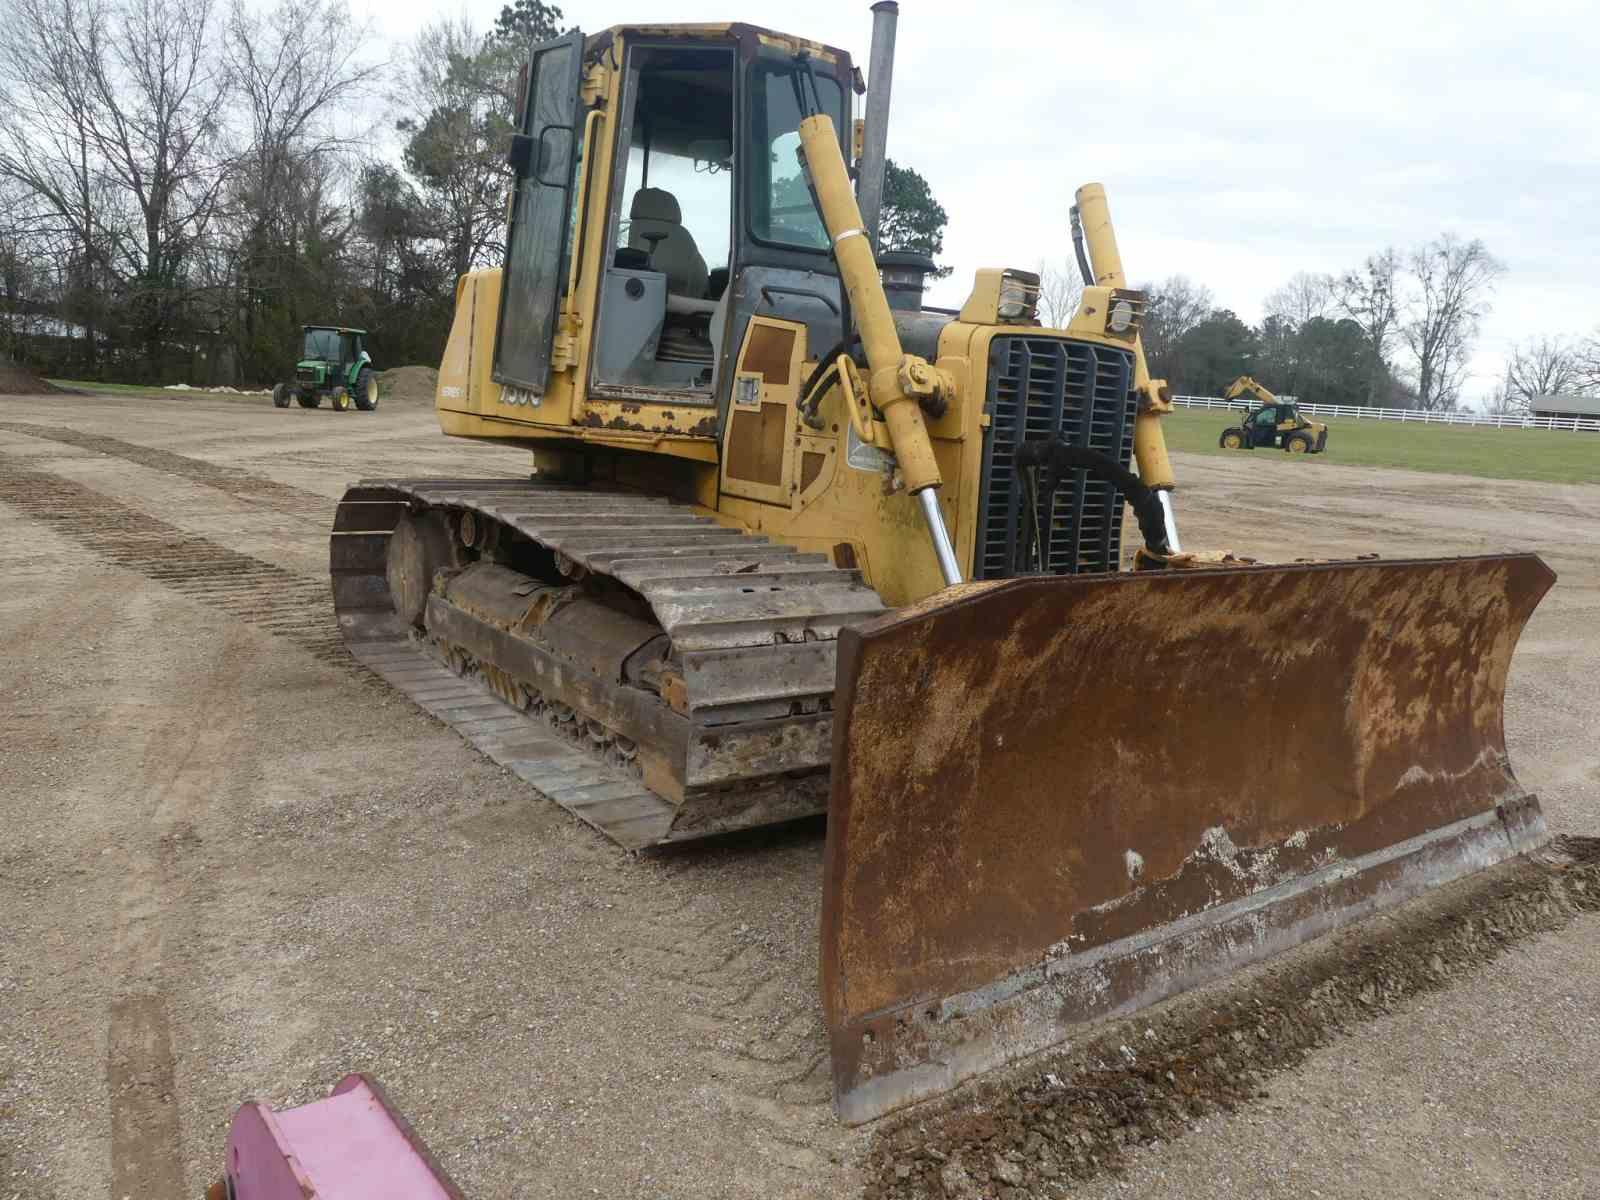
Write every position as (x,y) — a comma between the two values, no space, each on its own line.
(183,766)
(759,1041)
(259,593)
(764,1046)
(146,1155)
(242,485)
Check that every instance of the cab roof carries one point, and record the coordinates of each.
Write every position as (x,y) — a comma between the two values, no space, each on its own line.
(720,31)
(335,328)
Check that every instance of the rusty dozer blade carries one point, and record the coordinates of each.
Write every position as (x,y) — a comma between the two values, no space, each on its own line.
(1058,800)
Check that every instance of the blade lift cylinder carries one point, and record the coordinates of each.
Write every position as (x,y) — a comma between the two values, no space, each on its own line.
(1092,216)
(899,382)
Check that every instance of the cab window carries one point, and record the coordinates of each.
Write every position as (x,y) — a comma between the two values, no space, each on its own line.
(322,345)
(1267,416)
(781,210)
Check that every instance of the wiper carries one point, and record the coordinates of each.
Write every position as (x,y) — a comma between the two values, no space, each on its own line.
(801,72)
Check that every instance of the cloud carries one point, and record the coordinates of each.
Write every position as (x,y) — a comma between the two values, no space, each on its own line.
(1239,143)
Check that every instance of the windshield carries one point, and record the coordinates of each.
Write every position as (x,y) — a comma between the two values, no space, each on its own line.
(322,344)
(780,203)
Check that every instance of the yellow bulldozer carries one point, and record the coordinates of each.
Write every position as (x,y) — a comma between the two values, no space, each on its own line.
(794,541)
(1271,421)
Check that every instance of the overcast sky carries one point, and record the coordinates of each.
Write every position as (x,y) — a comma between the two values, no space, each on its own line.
(1239,143)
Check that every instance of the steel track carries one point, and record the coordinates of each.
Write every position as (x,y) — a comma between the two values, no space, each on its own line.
(752,625)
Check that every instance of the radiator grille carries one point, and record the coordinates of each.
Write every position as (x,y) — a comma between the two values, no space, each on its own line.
(1038,388)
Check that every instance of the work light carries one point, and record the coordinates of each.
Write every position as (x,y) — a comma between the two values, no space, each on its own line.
(1019,297)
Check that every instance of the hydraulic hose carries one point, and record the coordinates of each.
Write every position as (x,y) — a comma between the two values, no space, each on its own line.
(1055,457)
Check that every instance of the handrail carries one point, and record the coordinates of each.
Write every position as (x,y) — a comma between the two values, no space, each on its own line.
(583,200)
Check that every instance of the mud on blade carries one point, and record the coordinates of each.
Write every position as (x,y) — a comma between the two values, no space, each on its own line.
(1057,800)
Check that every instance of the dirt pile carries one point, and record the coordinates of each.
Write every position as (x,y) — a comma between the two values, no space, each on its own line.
(1147,1079)
(407,385)
(19,381)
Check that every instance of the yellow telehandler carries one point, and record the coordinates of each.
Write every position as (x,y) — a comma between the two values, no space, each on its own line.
(1271,421)
(794,541)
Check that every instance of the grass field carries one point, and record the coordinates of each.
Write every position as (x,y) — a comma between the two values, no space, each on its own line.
(1539,454)
(112,389)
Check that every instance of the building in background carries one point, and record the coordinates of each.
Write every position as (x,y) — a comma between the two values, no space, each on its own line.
(1566,406)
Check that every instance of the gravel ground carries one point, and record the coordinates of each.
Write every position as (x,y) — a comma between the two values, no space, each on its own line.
(236,866)
(1499,1106)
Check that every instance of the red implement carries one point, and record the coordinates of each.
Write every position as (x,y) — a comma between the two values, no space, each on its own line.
(351,1146)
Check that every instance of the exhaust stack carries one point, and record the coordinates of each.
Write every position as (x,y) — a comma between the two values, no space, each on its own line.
(874,149)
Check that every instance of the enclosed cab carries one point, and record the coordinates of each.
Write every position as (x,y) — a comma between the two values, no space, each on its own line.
(1278,424)
(1273,421)
(334,365)
(670,291)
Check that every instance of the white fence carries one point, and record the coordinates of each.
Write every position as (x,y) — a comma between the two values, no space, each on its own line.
(1500,421)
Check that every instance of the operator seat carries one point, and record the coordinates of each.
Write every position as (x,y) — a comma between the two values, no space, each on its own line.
(655,211)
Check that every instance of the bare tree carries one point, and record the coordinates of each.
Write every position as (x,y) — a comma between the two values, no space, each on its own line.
(1370,297)
(1541,366)
(1586,364)
(1504,400)
(1060,292)
(158,97)
(1454,279)
(47,147)
(1286,315)
(189,179)
(109,120)
(300,69)
(1175,306)
(1305,297)
(20,274)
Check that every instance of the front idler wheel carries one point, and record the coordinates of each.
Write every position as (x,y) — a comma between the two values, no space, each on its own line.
(1231,439)
(419,548)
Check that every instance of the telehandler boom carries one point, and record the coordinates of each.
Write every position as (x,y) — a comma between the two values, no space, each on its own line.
(794,541)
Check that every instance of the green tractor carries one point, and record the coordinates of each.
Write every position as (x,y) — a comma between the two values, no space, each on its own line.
(334,363)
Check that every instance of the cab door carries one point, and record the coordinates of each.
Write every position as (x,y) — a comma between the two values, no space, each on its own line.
(1263,428)
(543,160)
(349,351)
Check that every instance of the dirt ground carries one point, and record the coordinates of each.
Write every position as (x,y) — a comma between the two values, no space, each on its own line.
(233,865)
